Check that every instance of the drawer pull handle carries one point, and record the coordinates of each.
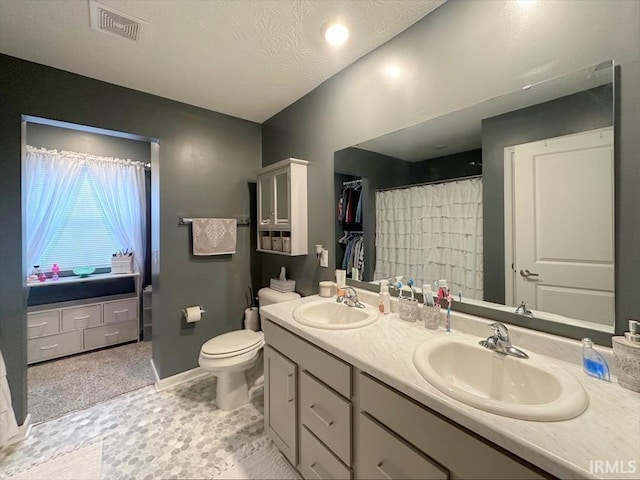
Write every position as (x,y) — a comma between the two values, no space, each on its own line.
(37,325)
(290,387)
(320,475)
(82,318)
(49,348)
(118,312)
(387,474)
(111,334)
(328,423)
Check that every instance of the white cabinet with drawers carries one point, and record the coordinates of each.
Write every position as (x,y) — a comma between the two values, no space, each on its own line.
(332,420)
(308,405)
(73,327)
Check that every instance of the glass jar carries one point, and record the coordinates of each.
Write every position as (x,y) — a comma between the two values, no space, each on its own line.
(431,316)
(408,309)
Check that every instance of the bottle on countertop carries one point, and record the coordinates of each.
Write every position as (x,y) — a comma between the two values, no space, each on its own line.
(384,298)
(626,350)
(55,270)
(593,363)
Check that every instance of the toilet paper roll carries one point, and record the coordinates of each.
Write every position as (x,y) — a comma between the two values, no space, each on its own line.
(192,314)
(252,319)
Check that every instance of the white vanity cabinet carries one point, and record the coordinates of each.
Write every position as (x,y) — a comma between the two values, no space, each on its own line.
(332,420)
(396,437)
(63,329)
(282,208)
(309,389)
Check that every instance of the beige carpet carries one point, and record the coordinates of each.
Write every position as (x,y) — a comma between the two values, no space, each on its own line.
(82,464)
(73,383)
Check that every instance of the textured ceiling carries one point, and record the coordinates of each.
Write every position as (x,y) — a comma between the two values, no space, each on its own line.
(246,58)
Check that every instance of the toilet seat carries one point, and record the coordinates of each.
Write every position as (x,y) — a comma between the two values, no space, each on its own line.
(232,344)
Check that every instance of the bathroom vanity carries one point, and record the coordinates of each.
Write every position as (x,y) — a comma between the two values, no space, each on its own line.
(351,404)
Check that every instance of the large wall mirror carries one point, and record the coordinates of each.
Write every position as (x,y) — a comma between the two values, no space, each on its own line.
(510,200)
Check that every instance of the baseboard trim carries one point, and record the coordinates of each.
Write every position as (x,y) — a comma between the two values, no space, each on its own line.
(165,383)
(23,432)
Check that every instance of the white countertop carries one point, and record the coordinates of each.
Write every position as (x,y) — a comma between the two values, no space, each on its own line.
(77,279)
(608,431)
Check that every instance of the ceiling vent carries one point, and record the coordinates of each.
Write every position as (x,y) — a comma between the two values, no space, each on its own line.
(109,20)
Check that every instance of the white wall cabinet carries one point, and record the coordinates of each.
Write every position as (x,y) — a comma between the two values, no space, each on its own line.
(282,208)
(75,327)
(351,425)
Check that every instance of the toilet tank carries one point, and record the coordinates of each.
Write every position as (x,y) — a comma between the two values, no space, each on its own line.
(267,296)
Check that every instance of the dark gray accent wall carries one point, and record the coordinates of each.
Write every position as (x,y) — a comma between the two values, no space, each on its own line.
(57,138)
(571,114)
(205,161)
(448,167)
(462,54)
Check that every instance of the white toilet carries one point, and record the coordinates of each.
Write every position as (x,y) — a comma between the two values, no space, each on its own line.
(231,354)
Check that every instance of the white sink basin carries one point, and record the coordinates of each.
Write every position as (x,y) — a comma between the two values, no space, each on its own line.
(332,315)
(528,389)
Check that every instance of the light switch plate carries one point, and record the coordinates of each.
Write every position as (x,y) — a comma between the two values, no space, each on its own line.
(324,258)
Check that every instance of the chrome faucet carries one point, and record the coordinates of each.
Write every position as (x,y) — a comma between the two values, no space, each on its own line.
(523,310)
(501,342)
(350,298)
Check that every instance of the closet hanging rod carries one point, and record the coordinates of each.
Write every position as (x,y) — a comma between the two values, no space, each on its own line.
(352,183)
(433,182)
(241,220)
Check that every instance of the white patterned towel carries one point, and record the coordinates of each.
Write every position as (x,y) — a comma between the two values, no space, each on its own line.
(214,236)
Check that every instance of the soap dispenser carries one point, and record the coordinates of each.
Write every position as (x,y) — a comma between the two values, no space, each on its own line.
(627,354)
(593,363)
(384,298)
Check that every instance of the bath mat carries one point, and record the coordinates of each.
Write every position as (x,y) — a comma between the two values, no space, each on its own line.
(85,463)
(264,463)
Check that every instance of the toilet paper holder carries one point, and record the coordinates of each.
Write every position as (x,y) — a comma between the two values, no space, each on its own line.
(202,311)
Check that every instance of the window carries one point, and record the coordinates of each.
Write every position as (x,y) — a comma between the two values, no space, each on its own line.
(80,209)
(85,237)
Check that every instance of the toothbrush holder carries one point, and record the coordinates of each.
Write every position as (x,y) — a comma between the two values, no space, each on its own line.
(408,309)
(431,316)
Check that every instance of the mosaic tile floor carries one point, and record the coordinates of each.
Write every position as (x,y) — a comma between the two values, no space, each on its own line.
(176,433)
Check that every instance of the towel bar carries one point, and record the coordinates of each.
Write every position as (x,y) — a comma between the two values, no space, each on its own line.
(241,221)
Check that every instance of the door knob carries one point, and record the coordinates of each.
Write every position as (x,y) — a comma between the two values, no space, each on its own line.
(526,273)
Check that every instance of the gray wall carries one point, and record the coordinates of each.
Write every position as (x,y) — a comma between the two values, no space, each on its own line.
(463,53)
(57,138)
(205,161)
(571,114)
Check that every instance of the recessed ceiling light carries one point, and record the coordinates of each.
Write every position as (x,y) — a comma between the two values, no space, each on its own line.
(392,71)
(335,33)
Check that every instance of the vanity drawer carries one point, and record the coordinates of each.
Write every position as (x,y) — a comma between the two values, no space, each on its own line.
(110,334)
(327,415)
(322,365)
(44,348)
(40,324)
(122,311)
(77,318)
(316,461)
(463,453)
(381,454)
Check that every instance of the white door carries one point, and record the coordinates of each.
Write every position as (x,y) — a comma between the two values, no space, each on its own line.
(563,225)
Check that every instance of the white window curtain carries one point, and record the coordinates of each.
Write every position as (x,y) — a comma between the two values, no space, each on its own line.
(432,232)
(50,194)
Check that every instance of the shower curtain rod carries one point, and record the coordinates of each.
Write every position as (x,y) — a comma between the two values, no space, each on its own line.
(433,182)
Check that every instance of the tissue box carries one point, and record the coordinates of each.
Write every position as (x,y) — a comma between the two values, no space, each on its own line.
(282,286)
(122,264)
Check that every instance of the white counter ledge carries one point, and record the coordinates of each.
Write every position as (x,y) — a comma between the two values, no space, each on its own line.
(608,431)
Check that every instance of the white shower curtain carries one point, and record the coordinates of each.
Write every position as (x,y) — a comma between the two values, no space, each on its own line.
(432,232)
